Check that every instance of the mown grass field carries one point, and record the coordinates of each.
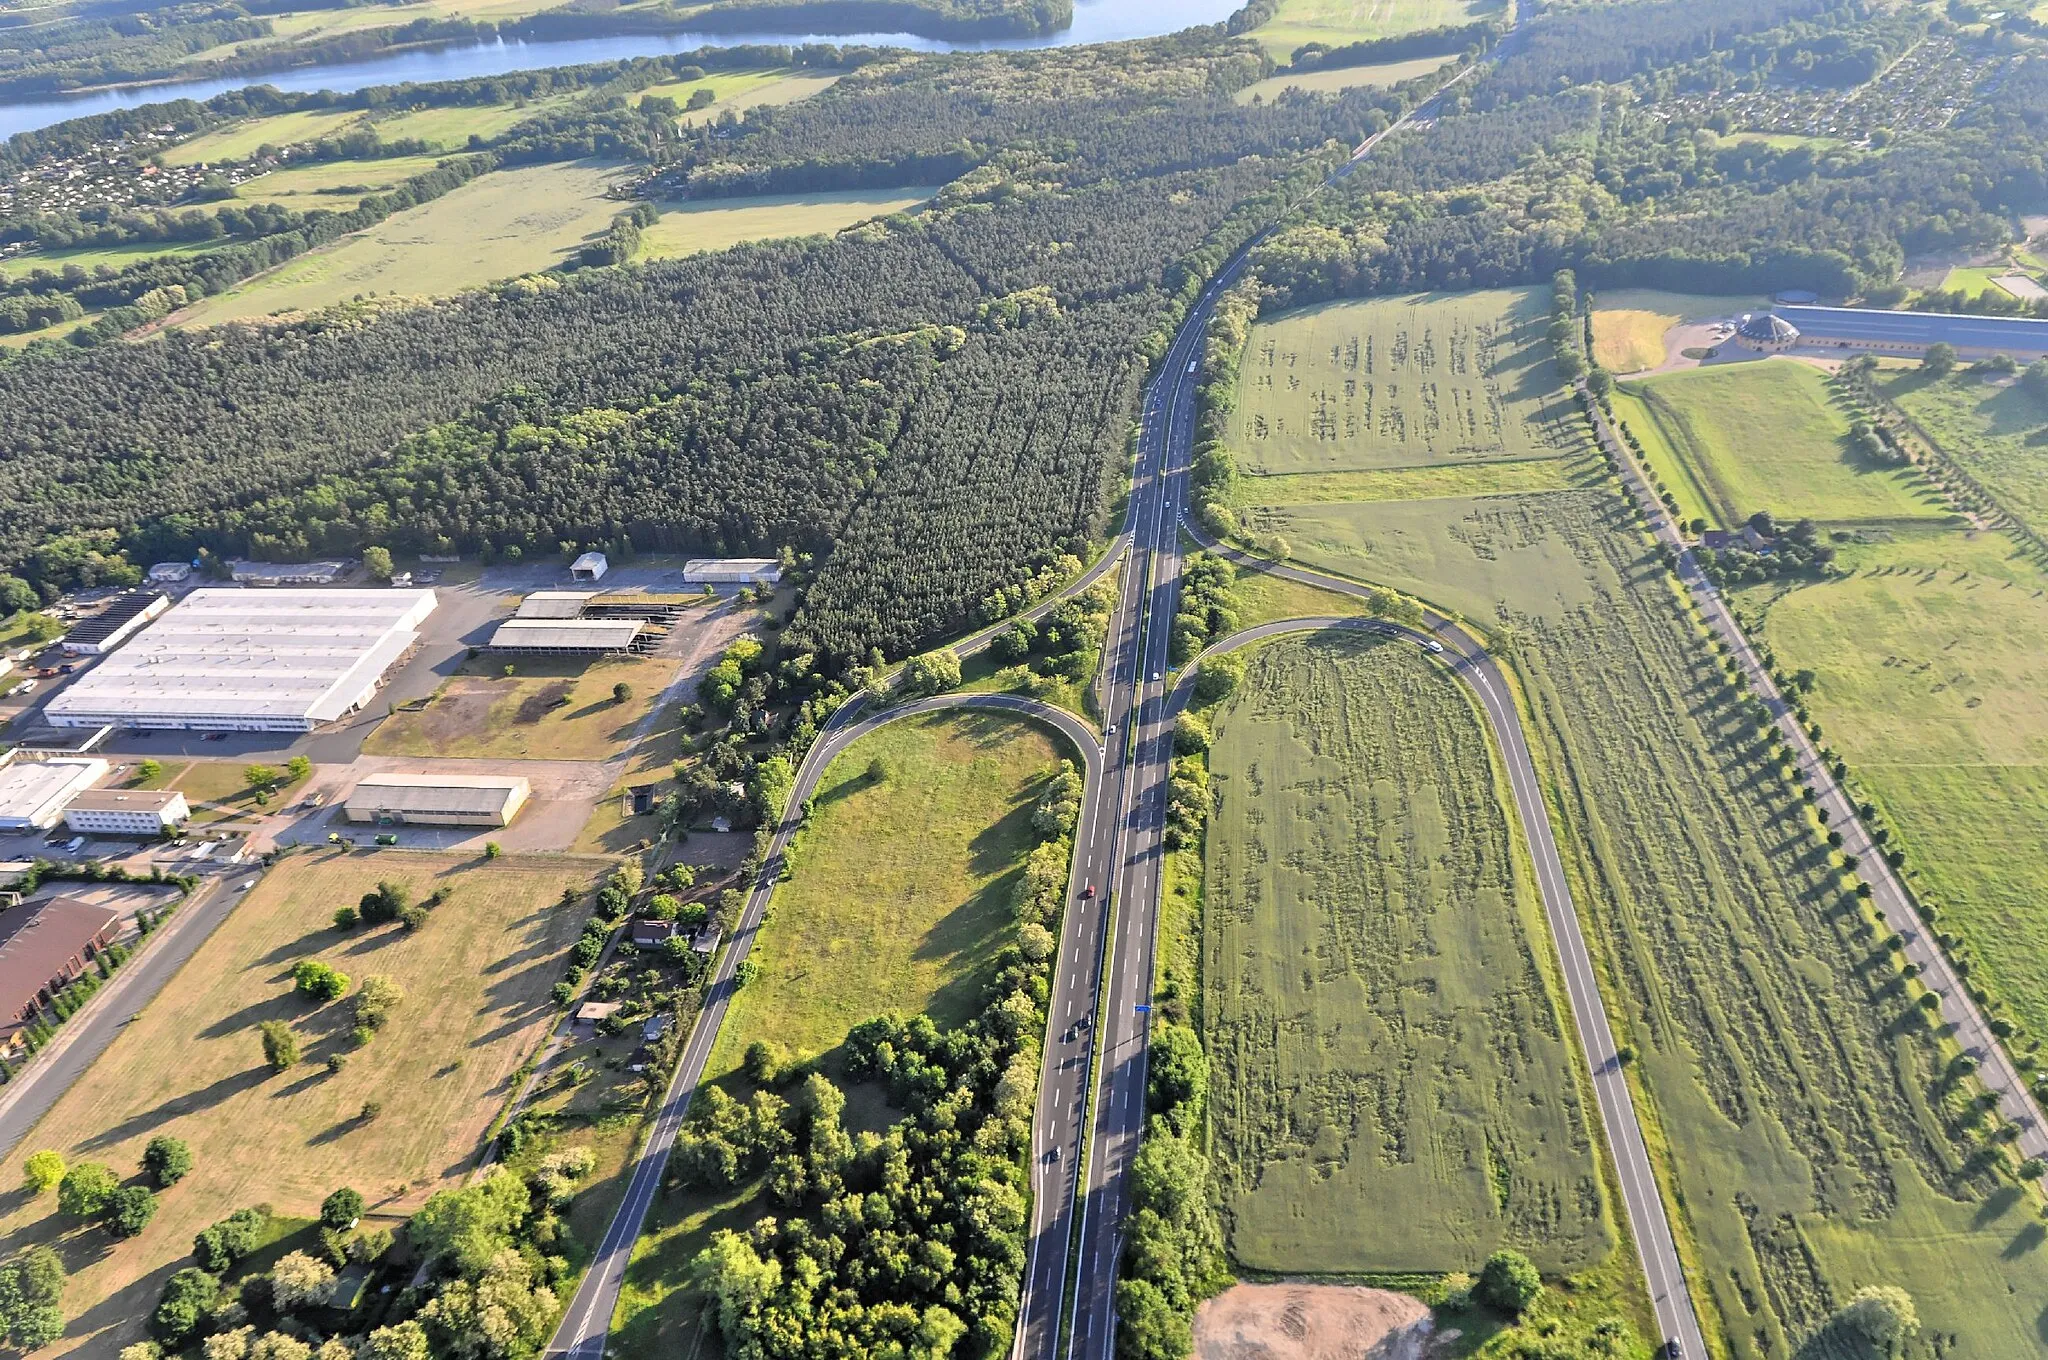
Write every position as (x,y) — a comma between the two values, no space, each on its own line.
(1404,484)
(239,141)
(476,978)
(1339,78)
(1995,431)
(450,128)
(1932,666)
(1768,436)
(738,91)
(1425,380)
(1629,323)
(1388,1049)
(496,226)
(714,224)
(334,185)
(1811,1144)
(900,898)
(92,257)
(483,713)
(1336,22)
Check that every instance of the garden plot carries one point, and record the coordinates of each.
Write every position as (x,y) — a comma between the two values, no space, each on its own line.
(1430,379)
(1395,1090)
(1811,1141)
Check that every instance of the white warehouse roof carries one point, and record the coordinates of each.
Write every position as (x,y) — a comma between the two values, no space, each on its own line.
(565,635)
(270,660)
(555,604)
(33,792)
(726,570)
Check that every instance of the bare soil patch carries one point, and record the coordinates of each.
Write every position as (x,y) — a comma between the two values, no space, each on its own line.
(1312,1322)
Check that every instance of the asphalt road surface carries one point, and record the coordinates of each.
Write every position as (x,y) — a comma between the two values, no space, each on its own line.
(587,1322)
(84,1037)
(1958,1009)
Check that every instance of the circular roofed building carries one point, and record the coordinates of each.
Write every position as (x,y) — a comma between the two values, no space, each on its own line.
(1767,332)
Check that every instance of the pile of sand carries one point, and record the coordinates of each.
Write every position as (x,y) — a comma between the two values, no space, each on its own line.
(1311,1322)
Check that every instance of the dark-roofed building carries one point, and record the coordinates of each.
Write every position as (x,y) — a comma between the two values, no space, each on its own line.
(1910,333)
(1767,331)
(112,626)
(44,947)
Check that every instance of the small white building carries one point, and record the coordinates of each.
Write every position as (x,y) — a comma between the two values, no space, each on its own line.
(126,812)
(731,571)
(437,799)
(34,793)
(589,567)
(170,573)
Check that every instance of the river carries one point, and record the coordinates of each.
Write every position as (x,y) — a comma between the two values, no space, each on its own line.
(1094,21)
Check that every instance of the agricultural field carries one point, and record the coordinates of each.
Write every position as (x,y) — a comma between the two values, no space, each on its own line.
(1425,380)
(738,91)
(1800,1113)
(335,185)
(475,978)
(1768,435)
(1931,658)
(1406,484)
(1387,1044)
(1629,323)
(901,896)
(498,225)
(550,708)
(95,257)
(451,128)
(239,141)
(1994,431)
(1339,78)
(1336,22)
(714,224)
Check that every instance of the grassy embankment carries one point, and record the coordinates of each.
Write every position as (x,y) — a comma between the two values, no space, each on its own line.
(1808,1137)
(1768,435)
(901,896)
(476,978)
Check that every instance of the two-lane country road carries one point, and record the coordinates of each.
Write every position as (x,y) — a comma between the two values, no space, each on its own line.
(586,1323)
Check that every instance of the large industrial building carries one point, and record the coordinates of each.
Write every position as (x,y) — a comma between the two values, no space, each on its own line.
(437,799)
(274,660)
(1910,333)
(33,793)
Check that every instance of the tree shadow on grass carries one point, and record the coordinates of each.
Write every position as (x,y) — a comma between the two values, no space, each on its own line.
(1996,1205)
(2028,1239)
(192,1102)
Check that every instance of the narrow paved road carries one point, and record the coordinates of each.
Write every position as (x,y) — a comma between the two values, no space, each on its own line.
(1470,663)
(1888,894)
(85,1036)
(587,1322)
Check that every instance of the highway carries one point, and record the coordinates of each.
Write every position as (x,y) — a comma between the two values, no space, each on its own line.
(1887,893)
(586,1323)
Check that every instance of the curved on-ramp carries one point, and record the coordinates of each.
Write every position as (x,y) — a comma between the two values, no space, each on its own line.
(1465,659)
(586,1323)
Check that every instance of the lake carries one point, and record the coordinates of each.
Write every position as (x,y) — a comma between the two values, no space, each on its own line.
(1094,21)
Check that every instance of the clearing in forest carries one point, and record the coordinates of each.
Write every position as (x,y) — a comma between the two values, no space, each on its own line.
(501,224)
(1931,664)
(901,897)
(1339,78)
(1803,1113)
(1768,435)
(713,224)
(1429,379)
(1387,1044)
(475,978)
